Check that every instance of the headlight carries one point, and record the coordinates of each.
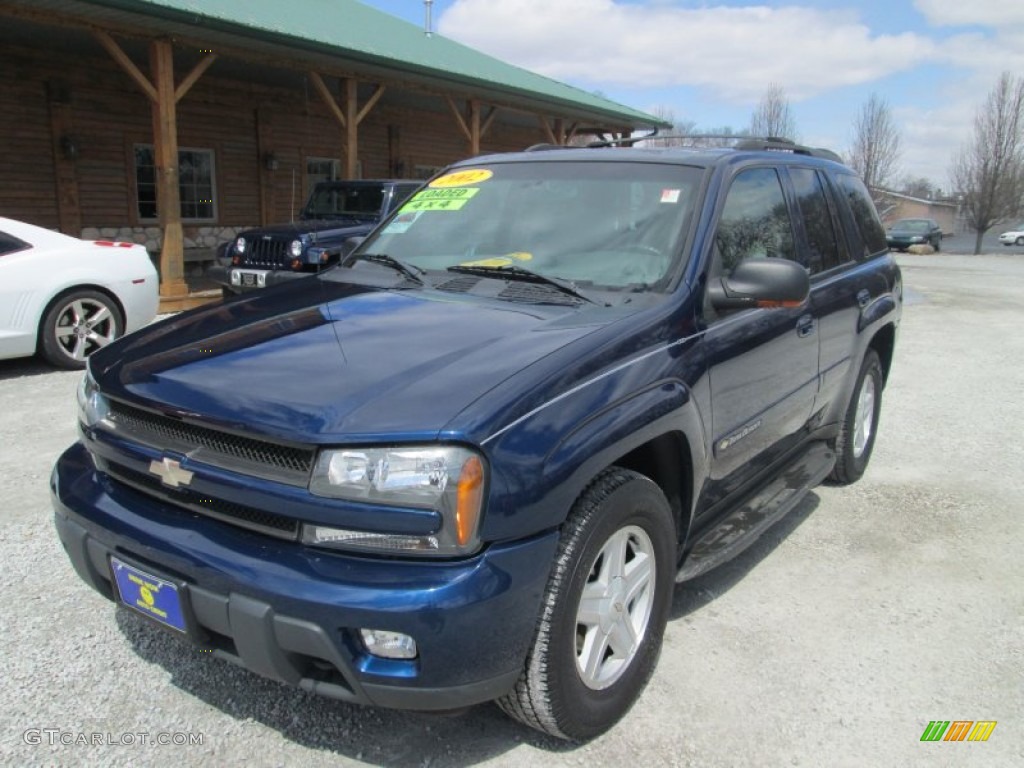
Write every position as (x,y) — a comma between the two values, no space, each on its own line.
(917,239)
(446,479)
(92,406)
(240,245)
(295,248)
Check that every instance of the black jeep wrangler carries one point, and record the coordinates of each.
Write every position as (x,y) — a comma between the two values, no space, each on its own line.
(335,212)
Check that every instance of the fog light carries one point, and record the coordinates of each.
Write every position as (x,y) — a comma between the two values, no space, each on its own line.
(261,280)
(236,279)
(388,645)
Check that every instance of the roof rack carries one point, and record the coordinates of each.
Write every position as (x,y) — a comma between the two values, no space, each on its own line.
(748,143)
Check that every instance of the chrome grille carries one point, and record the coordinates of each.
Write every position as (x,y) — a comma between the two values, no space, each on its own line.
(249,455)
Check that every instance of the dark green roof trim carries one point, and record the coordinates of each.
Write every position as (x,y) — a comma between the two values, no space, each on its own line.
(357,32)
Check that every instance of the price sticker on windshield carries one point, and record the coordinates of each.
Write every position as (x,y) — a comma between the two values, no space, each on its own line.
(440,199)
(462,178)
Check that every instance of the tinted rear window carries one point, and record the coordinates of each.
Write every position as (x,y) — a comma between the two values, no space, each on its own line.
(10,244)
(872,234)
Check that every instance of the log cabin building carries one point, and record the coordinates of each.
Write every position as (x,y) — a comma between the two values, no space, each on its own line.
(177,123)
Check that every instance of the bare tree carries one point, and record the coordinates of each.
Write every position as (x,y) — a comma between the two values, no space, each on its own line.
(989,171)
(773,117)
(876,144)
(919,187)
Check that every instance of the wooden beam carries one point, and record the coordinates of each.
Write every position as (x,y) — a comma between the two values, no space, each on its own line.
(370,104)
(165,154)
(352,128)
(194,75)
(126,64)
(488,121)
(572,132)
(474,127)
(547,129)
(69,211)
(264,146)
(458,118)
(328,97)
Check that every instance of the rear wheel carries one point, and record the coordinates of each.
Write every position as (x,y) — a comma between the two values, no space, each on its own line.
(1020,241)
(604,611)
(77,325)
(856,437)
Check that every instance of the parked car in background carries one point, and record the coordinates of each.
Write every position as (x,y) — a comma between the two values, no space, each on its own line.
(335,212)
(1014,236)
(65,298)
(907,232)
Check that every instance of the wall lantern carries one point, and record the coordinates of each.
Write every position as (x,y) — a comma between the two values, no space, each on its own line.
(69,147)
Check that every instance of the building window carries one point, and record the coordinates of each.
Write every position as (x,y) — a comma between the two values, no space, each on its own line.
(195,183)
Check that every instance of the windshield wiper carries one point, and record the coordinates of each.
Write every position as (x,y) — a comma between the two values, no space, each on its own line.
(409,270)
(515,272)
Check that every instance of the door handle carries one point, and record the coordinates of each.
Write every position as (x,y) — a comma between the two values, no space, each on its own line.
(863,298)
(805,326)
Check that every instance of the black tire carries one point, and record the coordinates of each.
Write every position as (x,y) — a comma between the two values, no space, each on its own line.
(76,325)
(553,695)
(1019,241)
(852,447)
(938,245)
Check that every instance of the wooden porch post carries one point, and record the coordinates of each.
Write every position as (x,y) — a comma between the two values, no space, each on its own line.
(350,117)
(165,153)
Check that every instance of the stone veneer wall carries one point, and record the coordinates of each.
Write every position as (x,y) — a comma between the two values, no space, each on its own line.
(194,237)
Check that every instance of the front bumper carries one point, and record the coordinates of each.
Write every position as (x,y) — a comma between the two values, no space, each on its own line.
(292,613)
(262,278)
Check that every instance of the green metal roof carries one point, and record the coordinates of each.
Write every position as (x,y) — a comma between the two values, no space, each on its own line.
(351,30)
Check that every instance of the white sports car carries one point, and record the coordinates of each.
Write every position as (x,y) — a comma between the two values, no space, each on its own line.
(65,298)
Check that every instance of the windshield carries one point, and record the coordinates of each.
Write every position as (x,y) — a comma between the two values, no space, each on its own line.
(605,225)
(339,200)
(912,225)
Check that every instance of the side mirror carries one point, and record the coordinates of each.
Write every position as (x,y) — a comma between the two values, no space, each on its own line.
(350,244)
(761,283)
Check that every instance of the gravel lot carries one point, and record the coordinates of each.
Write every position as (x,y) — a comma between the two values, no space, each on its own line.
(866,613)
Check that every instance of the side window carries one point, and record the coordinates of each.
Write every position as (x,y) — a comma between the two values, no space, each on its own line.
(869,225)
(823,249)
(755,221)
(11,244)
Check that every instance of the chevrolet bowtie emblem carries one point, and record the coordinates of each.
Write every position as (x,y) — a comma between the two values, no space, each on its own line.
(170,472)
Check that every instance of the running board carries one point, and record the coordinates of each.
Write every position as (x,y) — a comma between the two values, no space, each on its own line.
(746,523)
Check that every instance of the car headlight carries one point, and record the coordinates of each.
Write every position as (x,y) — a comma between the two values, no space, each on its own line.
(446,479)
(92,406)
(240,246)
(295,248)
(917,239)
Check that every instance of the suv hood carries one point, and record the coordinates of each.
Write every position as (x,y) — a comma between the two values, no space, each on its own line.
(328,361)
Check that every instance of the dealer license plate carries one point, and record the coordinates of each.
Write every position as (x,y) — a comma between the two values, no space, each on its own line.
(148,594)
(253,278)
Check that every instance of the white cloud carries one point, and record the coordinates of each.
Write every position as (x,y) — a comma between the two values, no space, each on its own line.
(993,13)
(732,52)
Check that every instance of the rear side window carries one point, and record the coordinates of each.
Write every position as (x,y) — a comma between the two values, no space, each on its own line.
(822,247)
(10,244)
(864,214)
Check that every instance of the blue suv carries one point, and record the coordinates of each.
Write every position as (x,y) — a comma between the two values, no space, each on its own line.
(471,461)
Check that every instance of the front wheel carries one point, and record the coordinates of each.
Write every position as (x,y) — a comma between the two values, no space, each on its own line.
(856,437)
(77,325)
(604,610)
